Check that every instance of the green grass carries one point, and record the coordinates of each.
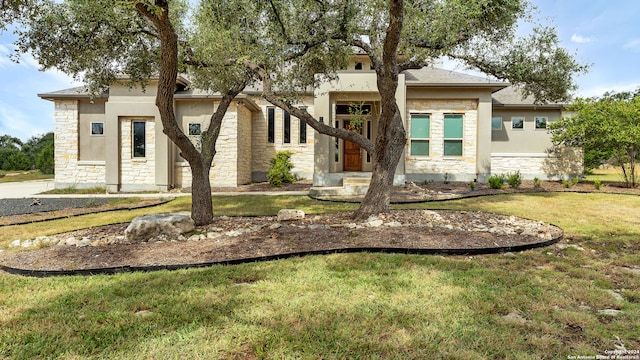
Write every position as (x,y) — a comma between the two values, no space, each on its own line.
(74,190)
(366,306)
(609,175)
(17,176)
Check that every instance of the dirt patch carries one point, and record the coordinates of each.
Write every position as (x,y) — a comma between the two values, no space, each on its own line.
(232,240)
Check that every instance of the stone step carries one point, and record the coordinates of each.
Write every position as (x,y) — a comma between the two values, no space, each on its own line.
(356,181)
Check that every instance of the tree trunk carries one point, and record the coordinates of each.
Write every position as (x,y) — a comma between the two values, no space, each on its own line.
(201,203)
(391,136)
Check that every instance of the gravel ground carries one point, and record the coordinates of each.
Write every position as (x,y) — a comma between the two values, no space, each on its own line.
(33,205)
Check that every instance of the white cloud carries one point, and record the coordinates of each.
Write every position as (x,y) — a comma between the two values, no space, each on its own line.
(580,39)
(633,45)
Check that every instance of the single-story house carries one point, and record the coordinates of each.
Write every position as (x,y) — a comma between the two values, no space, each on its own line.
(459,127)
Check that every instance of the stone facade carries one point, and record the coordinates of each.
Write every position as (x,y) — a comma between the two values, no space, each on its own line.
(263,151)
(69,170)
(552,165)
(436,164)
(137,173)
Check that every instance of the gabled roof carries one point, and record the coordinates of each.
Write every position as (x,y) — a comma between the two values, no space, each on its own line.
(430,76)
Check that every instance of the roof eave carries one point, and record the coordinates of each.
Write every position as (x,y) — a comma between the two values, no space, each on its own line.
(493,86)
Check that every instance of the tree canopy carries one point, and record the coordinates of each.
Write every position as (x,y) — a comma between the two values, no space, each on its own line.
(607,128)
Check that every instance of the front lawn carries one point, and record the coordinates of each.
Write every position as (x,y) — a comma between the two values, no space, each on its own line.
(539,304)
(17,176)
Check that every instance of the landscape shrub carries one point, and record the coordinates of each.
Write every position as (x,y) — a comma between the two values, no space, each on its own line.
(537,182)
(280,171)
(597,184)
(496,181)
(472,185)
(515,179)
(565,184)
(575,181)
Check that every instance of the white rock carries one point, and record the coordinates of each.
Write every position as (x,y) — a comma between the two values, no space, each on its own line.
(15,243)
(616,295)
(71,241)
(145,227)
(290,214)
(84,242)
(26,243)
(275,226)
(393,224)
(609,312)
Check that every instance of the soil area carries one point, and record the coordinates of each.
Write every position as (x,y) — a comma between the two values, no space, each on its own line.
(239,239)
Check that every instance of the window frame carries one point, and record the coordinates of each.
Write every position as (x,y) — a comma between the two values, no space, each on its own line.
(518,128)
(492,122)
(133,139)
(199,129)
(302,129)
(420,139)
(535,123)
(446,139)
(91,128)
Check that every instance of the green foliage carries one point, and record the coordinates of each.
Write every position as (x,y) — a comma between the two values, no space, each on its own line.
(574,181)
(45,160)
(17,161)
(537,182)
(496,181)
(472,185)
(606,128)
(597,184)
(280,171)
(566,184)
(515,179)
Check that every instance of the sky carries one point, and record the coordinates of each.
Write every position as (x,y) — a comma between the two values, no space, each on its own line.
(602,33)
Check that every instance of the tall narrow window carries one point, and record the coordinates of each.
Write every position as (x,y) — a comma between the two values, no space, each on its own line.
(303,132)
(286,128)
(420,134)
(453,135)
(139,141)
(337,147)
(271,124)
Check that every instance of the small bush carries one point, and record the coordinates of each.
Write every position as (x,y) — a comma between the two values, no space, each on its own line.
(565,184)
(446,178)
(280,171)
(597,184)
(537,182)
(575,181)
(496,181)
(515,179)
(472,185)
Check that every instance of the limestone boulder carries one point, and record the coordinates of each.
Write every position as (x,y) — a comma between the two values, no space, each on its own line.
(290,214)
(147,227)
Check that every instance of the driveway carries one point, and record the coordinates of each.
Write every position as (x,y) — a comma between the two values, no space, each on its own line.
(18,190)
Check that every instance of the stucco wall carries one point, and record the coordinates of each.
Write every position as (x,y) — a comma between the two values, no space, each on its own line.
(69,171)
(91,147)
(527,140)
(462,168)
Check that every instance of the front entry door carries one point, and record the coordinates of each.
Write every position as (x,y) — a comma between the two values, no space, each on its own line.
(352,154)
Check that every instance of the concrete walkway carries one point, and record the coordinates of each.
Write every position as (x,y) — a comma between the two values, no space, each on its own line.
(30,189)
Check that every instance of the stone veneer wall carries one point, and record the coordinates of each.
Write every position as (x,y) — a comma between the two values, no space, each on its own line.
(137,173)
(263,152)
(436,164)
(561,163)
(244,146)
(225,164)
(69,171)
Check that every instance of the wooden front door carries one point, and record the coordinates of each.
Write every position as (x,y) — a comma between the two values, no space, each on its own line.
(352,154)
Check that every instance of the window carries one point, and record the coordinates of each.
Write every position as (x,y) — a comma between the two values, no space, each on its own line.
(368,137)
(358,66)
(496,123)
(541,123)
(517,123)
(271,123)
(453,135)
(286,126)
(97,128)
(337,146)
(302,134)
(420,134)
(194,129)
(139,140)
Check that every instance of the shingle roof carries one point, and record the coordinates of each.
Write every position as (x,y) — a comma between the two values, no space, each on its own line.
(512,96)
(432,76)
(71,93)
